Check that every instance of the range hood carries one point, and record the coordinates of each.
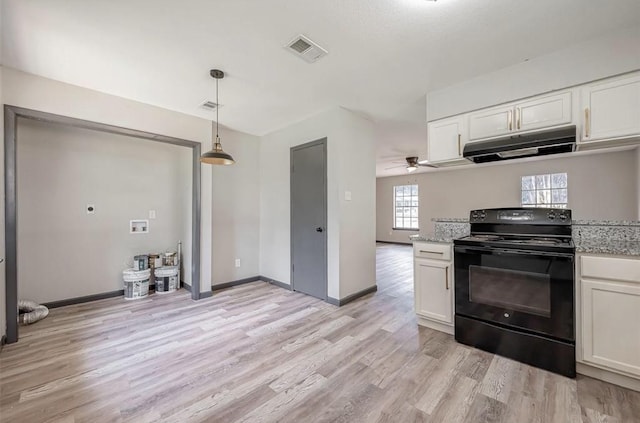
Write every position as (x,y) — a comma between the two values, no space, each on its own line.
(552,141)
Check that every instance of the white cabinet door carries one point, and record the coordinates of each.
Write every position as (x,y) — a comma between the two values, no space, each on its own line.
(434,290)
(491,122)
(543,112)
(446,139)
(611,109)
(610,316)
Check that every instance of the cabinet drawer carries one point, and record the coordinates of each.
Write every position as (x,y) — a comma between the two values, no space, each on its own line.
(434,251)
(619,269)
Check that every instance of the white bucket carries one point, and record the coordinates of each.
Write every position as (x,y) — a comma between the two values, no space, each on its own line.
(166,279)
(136,283)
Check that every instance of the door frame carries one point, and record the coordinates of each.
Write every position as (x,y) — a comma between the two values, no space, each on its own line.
(11,116)
(323,142)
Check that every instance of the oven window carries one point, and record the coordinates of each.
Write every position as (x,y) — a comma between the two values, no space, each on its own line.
(511,289)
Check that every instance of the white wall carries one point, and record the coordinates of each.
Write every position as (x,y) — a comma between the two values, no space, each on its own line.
(63,252)
(593,59)
(601,186)
(350,224)
(236,216)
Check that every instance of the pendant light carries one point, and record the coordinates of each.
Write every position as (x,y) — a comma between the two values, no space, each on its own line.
(216,156)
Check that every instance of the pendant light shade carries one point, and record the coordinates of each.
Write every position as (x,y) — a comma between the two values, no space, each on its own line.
(217,156)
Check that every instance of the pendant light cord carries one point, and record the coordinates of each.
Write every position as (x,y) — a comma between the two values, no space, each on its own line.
(217,108)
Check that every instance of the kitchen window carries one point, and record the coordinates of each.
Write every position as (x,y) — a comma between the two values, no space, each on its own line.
(549,190)
(405,203)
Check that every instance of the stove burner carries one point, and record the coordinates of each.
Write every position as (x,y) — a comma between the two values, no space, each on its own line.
(538,241)
(485,237)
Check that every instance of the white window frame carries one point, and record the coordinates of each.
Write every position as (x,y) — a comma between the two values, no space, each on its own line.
(410,198)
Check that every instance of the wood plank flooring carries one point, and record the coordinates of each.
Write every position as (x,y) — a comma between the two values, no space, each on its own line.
(259,353)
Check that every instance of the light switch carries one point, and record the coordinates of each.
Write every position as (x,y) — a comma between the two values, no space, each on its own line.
(152,214)
(237,262)
(347,195)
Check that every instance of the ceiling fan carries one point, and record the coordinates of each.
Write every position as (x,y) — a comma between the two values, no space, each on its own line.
(412,164)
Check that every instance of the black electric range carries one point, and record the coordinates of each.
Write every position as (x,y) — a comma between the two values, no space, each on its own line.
(514,292)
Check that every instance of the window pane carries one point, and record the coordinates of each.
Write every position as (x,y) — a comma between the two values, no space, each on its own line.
(528,182)
(398,223)
(399,190)
(543,196)
(528,197)
(559,195)
(407,190)
(414,223)
(414,189)
(399,212)
(543,181)
(559,180)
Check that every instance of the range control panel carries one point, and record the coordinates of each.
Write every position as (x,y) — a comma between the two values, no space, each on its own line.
(530,216)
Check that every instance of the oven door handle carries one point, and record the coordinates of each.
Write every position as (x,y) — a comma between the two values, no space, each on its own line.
(511,252)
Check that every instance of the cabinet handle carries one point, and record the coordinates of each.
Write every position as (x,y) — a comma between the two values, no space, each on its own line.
(446,277)
(509,120)
(459,148)
(518,113)
(587,123)
(431,252)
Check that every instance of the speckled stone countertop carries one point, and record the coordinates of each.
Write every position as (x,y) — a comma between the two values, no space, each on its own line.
(606,222)
(609,246)
(615,237)
(430,238)
(451,219)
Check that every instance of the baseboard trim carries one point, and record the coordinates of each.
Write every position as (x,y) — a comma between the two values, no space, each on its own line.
(85,299)
(442,327)
(234,283)
(204,295)
(275,282)
(611,377)
(395,242)
(352,297)
(185,286)
(3,341)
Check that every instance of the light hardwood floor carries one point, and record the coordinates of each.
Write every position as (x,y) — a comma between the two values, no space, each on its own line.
(259,353)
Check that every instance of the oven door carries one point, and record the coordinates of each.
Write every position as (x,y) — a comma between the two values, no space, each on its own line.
(523,289)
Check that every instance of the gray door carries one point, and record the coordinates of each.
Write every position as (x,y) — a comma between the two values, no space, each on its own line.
(309,218)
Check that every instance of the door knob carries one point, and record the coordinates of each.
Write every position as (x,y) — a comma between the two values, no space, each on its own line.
(319,229)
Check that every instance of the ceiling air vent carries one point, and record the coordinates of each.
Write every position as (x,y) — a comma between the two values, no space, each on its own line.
(303,47)
(209,105)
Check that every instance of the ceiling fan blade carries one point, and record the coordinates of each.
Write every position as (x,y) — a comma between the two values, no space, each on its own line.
(425,163)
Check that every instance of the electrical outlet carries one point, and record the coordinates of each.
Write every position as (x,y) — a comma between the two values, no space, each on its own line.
(152,214)
(237,262)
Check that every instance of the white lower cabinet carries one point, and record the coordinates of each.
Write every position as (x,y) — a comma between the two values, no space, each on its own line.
(433,287)
(610,314)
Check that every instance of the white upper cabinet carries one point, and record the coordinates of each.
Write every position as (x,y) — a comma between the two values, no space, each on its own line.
(611,109)
(491,122)
(446,139)
(543,112)
(537,113)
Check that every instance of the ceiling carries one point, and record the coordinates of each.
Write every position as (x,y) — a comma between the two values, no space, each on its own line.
(384,55)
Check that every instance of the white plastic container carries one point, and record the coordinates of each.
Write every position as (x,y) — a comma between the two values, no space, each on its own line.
(136,283)
(166,279)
